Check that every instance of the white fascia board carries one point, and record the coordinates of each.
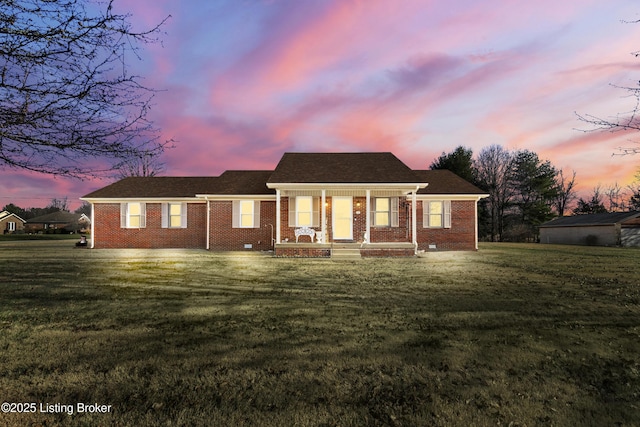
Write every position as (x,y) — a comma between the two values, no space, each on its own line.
(11,214)
(408,186)
(213,197)
(475,197)
(144,199)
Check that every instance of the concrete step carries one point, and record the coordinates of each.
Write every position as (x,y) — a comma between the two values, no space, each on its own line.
(350,253)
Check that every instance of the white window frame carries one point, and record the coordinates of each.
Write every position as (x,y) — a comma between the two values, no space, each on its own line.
(243,215)
(377,210)
(444,215)
(126,216)
(309,212)
(168,217)
(238,215)
(11,226)
(393,214)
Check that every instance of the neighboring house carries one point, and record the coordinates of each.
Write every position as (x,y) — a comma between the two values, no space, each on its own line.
(368,201)
(58,222)
(602,229)
(11,223)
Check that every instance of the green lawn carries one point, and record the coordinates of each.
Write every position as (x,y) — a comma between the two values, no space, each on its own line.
(519,335)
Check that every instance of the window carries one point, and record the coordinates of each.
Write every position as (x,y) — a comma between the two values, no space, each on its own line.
(304,211)
(132,215)
(384,212)
(174,215)
(436,213)
(11,226)
(246,214)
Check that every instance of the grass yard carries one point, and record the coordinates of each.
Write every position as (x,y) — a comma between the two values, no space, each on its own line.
(513,335)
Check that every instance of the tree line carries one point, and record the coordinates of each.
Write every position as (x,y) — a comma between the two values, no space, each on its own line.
(526,191)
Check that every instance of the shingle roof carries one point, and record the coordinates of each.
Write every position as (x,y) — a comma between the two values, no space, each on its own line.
(442,181)
(312,168)
(243,182)
(591,219)
(156,186)
(230,182)
(342,168)
(60,217)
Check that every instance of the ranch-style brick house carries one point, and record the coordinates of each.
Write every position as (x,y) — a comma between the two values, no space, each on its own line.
(312,204)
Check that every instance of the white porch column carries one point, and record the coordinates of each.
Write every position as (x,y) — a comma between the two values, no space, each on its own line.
(277,216)
(368,217)
(414,222)
(323,215)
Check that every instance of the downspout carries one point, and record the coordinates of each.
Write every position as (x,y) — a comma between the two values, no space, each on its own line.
(208,221)
(414,223)
(277,217)
(93,226)
(476,222)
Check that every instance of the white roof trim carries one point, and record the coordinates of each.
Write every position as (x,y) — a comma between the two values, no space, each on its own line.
(475,197)
(236,196)
(340,185)
(142,199)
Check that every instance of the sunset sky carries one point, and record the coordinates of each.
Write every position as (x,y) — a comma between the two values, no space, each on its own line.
(243,81)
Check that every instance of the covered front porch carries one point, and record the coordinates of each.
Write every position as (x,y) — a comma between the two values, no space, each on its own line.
(324,220)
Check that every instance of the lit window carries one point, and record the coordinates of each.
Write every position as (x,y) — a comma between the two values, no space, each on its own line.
(246,213)
(175,215)
(304,211)
(382,212)
(134,215)
(435,214)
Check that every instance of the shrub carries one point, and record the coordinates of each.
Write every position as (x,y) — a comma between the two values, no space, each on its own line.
(592,240)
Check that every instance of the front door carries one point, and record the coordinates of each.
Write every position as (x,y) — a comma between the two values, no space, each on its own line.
(342,214)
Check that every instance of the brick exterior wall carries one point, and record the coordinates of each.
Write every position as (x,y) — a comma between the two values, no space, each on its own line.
(391,252)
(460,237)
(109,234)
(223,237)
(4,225)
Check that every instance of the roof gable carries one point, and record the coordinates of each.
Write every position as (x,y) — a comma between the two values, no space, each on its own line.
(349,168)
(7,214)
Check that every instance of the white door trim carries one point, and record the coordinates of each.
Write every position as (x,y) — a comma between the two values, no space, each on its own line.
(341,216)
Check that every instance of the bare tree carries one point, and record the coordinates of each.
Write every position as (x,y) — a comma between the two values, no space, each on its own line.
(67,100)
(616,197)
(142,165)
(494,167)
(59,205)
(566,192)
(628,121)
